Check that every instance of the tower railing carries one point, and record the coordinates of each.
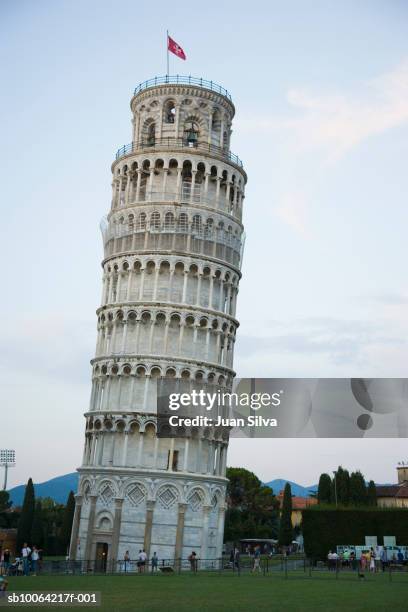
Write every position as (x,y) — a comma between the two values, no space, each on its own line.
(182,80)
(177,143)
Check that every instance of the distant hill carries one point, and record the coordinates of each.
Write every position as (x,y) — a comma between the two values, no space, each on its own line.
(278,485)
(57,488)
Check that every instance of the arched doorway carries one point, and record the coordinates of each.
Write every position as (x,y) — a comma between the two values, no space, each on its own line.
(101,556)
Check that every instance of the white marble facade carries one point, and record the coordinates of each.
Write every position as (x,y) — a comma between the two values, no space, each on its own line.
(173,243)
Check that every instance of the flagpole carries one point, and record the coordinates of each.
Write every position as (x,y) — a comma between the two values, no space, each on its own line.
(167,47)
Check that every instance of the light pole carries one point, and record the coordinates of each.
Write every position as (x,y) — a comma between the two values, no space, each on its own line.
(335,487)
(7,459)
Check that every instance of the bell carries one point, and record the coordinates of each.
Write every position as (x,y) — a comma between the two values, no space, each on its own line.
(192,136)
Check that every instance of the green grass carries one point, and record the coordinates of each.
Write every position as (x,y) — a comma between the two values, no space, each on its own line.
(227,592)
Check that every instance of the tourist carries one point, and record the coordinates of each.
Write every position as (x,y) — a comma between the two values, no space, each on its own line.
(142,561)
(377,558)
(400,556)
(330,561)
(237,558)
(257,559)
(155,562)
(126,561)
(193,561)
(6,560)
(372,560)
(384,559)
(26,553)
(34,560)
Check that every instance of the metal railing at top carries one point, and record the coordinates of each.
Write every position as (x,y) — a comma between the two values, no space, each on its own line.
(183,80)
(178,143)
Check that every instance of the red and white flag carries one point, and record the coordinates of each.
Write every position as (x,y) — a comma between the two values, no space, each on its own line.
(175,48)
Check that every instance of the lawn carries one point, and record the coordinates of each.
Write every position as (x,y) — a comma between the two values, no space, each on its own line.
(218,593)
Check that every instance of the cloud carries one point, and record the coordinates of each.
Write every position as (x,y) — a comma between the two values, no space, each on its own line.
(320,128)
(333,124)
(332,343)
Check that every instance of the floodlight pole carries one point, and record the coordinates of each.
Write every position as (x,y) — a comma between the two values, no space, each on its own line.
(5,476)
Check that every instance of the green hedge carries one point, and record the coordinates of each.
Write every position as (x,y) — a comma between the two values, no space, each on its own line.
(325,528)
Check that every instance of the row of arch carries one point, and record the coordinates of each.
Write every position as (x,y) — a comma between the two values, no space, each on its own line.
(157,334)
(213,495)
(174,282)
(176,220)
(157,370)
(141,423)
(106,448)
(180,116)
(176,180)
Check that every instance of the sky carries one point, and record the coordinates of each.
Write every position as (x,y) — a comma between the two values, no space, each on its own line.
(321,96)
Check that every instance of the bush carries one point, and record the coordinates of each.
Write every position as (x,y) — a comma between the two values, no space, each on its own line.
(325,528)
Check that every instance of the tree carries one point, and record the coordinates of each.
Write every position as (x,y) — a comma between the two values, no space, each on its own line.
(52,519)
(252,509)
(27,515)
(285,527)
(324,491)
(37,529)
(341,486)
(358,490)
(67,519)
(5,505)
(372,493)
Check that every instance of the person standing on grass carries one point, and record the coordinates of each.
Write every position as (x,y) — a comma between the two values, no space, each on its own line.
(155,562)
(257,559)
(237,557)
(193,561)
(25,553)
(384,559)
(6,560)
(372,560)
(142,561)
(377,558)
(126,560)
(34,560)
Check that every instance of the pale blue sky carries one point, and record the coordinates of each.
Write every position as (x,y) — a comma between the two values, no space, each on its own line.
(321,91)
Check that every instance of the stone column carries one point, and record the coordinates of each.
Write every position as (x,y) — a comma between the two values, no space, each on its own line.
(116,530)
(204,534)
(148,526)
(178,549)
(220,530)
(75,527)
(89,534)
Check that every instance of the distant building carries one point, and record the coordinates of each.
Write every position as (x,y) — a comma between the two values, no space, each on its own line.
(298,505)
(395,496)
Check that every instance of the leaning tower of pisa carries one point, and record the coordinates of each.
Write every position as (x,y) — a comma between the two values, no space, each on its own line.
(173,242)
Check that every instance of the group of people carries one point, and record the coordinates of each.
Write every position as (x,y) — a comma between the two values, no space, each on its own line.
(255,554)
(374,559)
(29,562)
(141,562)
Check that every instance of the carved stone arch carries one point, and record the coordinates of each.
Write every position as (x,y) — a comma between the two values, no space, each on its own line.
(167,495)
(149,424)
(106,492)
(155,371)
(135,492)
(104,521)
(216,497)
(196,498)
(86,488)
